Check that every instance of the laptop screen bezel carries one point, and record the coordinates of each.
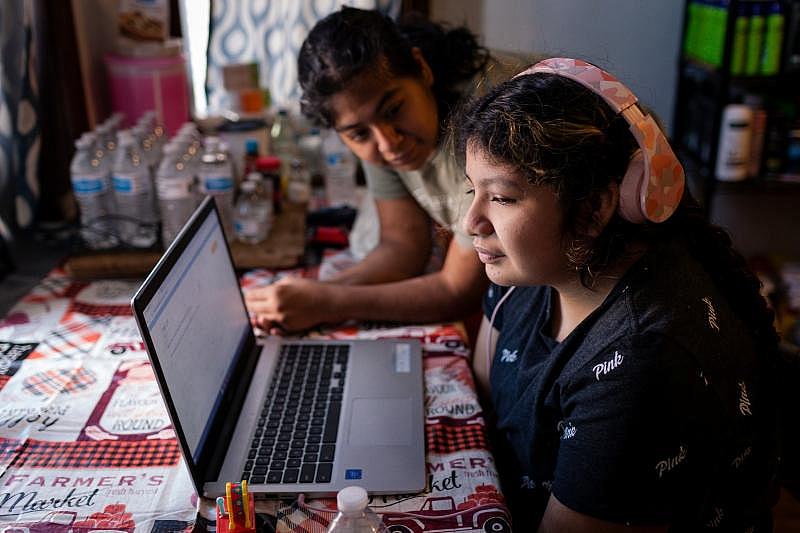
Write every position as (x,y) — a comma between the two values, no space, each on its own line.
(213,452)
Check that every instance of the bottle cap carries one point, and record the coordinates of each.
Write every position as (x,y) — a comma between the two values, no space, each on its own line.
(268,162)
(352,499)
(248,186)
(251,146)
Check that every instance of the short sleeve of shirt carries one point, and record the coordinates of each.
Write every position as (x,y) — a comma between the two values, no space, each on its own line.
(383,182)
(627,445)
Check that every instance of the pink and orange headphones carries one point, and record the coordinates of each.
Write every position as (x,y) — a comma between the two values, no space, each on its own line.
(653,184)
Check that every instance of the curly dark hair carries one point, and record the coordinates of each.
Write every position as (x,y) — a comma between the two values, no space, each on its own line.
(558,133)
(352,41)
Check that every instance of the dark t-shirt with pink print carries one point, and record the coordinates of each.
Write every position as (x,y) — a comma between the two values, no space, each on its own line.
(654,410)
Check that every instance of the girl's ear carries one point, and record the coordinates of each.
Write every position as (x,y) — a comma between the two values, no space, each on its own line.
(608,205)
(427,73)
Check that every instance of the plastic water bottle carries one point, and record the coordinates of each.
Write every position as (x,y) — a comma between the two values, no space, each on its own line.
(299,188)
(339,165)
(175,189)
(134,194)
(216,179)
(253,218)
(92,188)
(310,146)
(107,142)
(354,515)
(283,145)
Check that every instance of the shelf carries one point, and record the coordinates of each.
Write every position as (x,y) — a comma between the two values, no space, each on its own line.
(758,186)
(700,71)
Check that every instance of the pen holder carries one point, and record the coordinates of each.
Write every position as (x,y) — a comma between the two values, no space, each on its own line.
(237,512)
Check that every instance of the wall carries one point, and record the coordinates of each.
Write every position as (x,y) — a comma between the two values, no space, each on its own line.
(637,40)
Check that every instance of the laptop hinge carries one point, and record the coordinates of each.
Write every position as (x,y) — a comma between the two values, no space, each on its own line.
(227,419)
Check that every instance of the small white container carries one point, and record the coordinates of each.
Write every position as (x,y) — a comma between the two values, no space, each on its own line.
(733,149)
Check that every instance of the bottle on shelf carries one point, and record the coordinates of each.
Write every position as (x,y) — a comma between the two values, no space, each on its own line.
(773,40)
(757,134)
(215,176)
(739,50)
(107,139)
(175,189)
(270,168)
(283,144)
(91,185)
(146,145)
(733,148)
(311,151)
(299,188)
(755,40)
(253,214)
(339,165)
(134,193)
(250,156)
(354,514)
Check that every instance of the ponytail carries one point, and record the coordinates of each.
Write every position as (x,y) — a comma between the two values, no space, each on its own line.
(711,246)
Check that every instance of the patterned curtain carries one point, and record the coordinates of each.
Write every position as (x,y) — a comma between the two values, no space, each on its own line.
(270,33)
(19,123)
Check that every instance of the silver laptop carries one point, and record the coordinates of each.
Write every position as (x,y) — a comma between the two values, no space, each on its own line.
(290,416)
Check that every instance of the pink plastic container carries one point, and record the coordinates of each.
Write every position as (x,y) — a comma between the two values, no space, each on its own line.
(139,84)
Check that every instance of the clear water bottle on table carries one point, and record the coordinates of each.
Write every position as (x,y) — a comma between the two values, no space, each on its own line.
(283,144)
(216,179)
(253,215)
(339,166)
(354,515)
(175,188)
(134,194)
(92,188)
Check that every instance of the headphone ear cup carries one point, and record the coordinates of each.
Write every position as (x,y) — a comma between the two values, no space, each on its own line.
(630,190)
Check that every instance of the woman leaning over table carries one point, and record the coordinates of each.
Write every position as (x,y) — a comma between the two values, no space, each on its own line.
(631,349)
(387,89)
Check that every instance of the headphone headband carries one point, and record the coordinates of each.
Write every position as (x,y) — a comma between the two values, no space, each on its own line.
(653,184)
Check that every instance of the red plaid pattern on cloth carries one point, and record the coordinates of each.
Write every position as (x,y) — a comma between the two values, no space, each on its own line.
(301,520)
(89,454)
(75,337)
(66,380)
(448,436)
(100,310)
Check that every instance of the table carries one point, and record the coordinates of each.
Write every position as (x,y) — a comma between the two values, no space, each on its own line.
(86,443)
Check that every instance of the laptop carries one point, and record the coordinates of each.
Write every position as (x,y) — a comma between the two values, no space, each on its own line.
(288,415)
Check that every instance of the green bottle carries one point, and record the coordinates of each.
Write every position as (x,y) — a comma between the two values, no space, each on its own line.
(773,39)
(719,23)
(690,39)
(739,51)
(755,40)
(701,33)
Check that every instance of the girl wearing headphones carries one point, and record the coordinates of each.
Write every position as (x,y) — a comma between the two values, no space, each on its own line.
(626,348)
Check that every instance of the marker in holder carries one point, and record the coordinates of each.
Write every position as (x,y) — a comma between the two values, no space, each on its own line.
(236,511)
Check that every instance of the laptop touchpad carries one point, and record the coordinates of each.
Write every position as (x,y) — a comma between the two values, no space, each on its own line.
(380,422)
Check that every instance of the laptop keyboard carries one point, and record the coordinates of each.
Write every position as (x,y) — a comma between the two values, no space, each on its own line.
(295,439)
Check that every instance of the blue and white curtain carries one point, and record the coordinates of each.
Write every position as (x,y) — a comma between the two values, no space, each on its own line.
(19,123)
(269,32)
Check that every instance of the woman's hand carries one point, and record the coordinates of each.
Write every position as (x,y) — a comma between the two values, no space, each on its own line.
(290,304)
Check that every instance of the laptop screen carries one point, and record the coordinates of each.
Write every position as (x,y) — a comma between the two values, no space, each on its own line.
(198,326)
